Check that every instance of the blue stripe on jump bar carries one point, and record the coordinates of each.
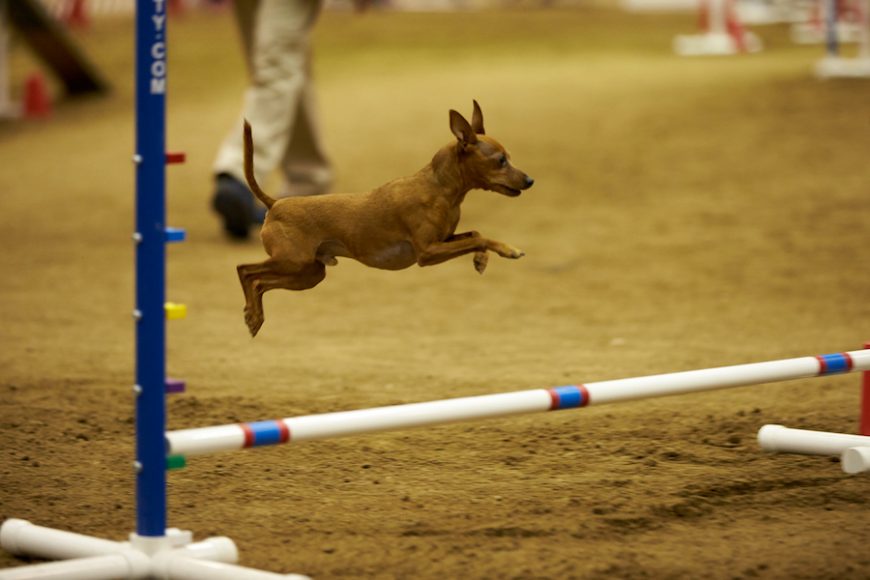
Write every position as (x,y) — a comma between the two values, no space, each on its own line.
(568,397)
(265,433)
(830,364)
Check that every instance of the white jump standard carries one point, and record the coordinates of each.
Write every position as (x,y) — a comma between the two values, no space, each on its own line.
(188,442)
(158,552)
(723,33)
(154,550)
(836,66)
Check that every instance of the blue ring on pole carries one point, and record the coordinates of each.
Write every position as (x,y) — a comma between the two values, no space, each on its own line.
(174,235)
(568,397)
(265,433)
(830,364)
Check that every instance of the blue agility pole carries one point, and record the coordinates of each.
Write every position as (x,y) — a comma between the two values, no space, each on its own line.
(150,237)
(832,39)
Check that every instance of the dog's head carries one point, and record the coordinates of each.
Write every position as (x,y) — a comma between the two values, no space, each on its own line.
(485,161)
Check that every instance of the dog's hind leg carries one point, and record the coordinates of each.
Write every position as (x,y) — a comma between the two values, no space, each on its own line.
(272,275)
(248,275)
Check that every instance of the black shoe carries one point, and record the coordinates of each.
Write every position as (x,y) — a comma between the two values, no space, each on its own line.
(236,206)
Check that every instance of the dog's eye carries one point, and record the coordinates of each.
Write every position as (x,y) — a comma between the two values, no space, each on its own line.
(502,161)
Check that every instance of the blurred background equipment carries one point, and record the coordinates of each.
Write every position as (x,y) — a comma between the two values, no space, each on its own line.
(48,39)
(722,32)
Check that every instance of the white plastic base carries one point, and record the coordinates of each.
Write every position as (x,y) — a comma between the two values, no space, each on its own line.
(713,44)
(854,450)
(836,67)
(170,557)
(856,460)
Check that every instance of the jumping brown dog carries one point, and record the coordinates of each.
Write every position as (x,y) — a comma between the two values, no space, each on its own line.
(410,220)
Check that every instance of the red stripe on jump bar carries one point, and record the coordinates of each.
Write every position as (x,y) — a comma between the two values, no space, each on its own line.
(249,435)
(585,393)
(554,399)
(823,365)
(285,431)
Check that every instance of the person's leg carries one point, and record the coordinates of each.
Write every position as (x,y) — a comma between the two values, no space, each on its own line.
(306,167)
(278,73)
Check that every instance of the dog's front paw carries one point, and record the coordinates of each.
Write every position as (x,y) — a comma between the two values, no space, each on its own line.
(253,320)
(481,259)
(511,252)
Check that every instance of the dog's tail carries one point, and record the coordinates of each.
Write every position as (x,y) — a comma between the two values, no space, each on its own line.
(249,169)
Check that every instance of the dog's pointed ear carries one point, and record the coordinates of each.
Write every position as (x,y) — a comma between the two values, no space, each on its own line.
(477,120)
(463,131)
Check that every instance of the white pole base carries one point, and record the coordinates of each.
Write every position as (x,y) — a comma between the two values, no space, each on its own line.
(837,67)
(856,460)
(715,43)
(170,557)
(854,450)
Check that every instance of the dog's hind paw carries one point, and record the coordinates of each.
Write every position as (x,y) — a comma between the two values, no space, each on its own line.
(481,259)
(254,321)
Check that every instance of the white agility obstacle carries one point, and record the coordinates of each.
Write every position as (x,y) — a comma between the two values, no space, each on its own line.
(189,442)
(853,450)
(826,17)
(87,558)
(157,552)
(834,65)
(174,556)
(723,33)
(154,551)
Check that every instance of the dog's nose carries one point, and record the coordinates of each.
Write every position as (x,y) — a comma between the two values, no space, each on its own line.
(529,182)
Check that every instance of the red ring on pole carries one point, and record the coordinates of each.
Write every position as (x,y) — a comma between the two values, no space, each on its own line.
(850,364)
(823,365)
(865,400)
(249,435)
(554,399)
(284,430)
(585,393)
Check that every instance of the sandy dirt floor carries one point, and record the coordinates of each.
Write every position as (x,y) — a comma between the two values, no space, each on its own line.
(686,214)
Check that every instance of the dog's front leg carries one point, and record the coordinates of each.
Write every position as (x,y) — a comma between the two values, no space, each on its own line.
(439,252)
(481,259)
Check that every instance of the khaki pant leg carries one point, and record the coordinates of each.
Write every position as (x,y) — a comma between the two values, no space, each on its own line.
(278,77)
(306,165)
